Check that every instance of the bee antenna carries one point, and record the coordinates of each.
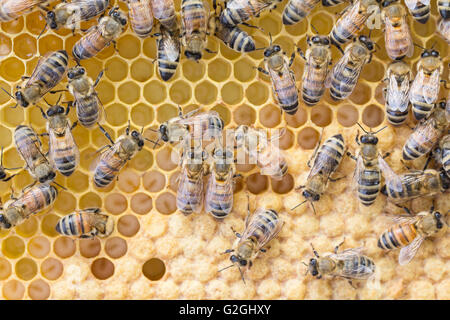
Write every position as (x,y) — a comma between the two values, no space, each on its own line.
(380,130)
(298,205)
(419,46)
(242,274)
(232,265)
(362,127)
(9,94)
(59,98)
(314,28)
(432,47)
(307,269)
(259,49)
(156,144)
(45,27)
(153,130)
(48,103)
(64,188)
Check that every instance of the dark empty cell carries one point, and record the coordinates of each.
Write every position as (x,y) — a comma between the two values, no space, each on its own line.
(154,269)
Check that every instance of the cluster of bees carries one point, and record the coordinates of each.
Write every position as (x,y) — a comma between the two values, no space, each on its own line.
(430,137)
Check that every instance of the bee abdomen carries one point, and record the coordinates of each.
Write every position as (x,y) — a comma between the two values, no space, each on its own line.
(53,68)
(444,8)
(331,3)
(88,46)
(241,41)
(396,118)
(446,160)
(89,114)
(102,178)
(397,237)
(369,186)
(420,108)
(66,165)
(413,149)
(73,225)
(167,68)
(313,90)
(421,13)
(230,17)
(296,10)
(359,265)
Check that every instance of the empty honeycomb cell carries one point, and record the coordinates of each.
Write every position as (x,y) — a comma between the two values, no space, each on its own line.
(115,203)
(128,225)
(154,269)
(116,69)
(142,114)
(321,115)
(166,203)
(87,157)
(70,42)
(5,45)
(373,71)
(5,269)
(323,22)
(39,120)
(52,268)
(78,182)
(257,93)
(298,119)
(39,290)
(180,92)
(219,70)
(141,203)
(142,161)
(164,159)
(379,94)
(3,99)
(228,53)
(116,247)
(166,112)
(11,69)
(308,138)
(90,248)
(48,225)
(224,113)
(99,139)
(193,71)
(129,181)
(129,93)
(106,92)
(286,140)
(244,115)
(257,183)
(372,116)
(13,290)
(149,48)
(347,115)
(270,116)
(64,247)
(141,70)
(243,70)
(298,29)
(35,22)
(93,67)
(25,46)
(206,92)
(39,247)
(128,46)
(361,94)
(26,269)
(232,93)
(115,114)
(284,185)
(13,26)
(65,202)
(13,247)
(49,43)
(153,181)
(90,200)
(102,268)
(28,228)
(270,23)
(424,30)
(12,116)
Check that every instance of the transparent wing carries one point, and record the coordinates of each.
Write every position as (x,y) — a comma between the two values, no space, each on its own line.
(62,142)
(407,253)
(398,96)
(411,4)
(348,253)
(340,69)
(418,82)
(109,159)
(17,7)
(257,6)
(357,173)
(30,152)
(392,34)
(36,71)
(425,2)
(337,69)
(426,132)
(192,193)
(199,22)
(198,118)
(404,219)
(322,164)
(171,47)
(360,272)
(392,179)
(82,10)
(431,90)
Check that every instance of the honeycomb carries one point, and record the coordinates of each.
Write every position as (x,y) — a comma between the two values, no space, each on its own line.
(156,252)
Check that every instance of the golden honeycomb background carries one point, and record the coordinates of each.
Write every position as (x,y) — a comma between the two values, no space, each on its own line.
(156,252)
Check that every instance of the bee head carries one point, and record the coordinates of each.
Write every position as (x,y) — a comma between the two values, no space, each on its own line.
(310,196)
(118,16)
(55,110)
(75,72)
(271,50)
(138,138)
(241,262)
(3,223)
(369,139)
(367,42)
(163,132)
(313,267)
(21,99)
(51,20)
(429,53)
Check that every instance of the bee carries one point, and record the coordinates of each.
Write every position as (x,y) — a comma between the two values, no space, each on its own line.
(194,17)
(345,74)
(283,79)
(239,11)
(351,22)
(396,34)
(296,10)
(29,147)
(100,36)
(442,153)
(426,84)
(426,134)
(86,223)
(32,201)
(268,156)
(443,28)
(419,9)
(168,52)
(164,12)
(367,176)
(410,232)
(348,264)
(332,3)
(219,191)
(141,17)
(444,9)
(396,94)
(49,71)
(317,60)
(87,102)
(13,9)
(63,151)
(326,160)
(260,227)
(3,175)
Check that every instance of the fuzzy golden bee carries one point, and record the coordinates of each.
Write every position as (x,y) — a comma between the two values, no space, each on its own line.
(296,10)
(86,223)
(169,50)
(31,201)
(419,9)
(239,11)
(13,9)
(100,36)
(141,17)
(164,12)
(194,17)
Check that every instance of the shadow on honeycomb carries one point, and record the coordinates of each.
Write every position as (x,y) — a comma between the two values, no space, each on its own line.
(156,252)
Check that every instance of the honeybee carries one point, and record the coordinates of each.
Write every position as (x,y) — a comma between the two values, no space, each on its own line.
(99,36)
(317,61)
(349,264)
(141,17)
(49,71)
(296,10)
(283,79)
(398,42)
(13,9)
(86,223)
(444,9)
(426,134)
(260,227)
(164,12)
(410,232)
(87,102)
(442,153)
(419,9)
(345,74)
(443,28)
(168,52)
(238,11)
(190,187)
(63,151)
(194,17)
(3,175)
(367,176)
(351,22)
(426,84)
(396,94)
(28,146)
(32,201)
(326,160)
(268,156)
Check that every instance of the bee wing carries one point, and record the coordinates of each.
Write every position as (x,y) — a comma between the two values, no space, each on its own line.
(410,41)
(426,131)
(110,156)
(411,4)
(425,2)
(392,179)
(358,171)
(34,75)
(361,271)
(16,7)
(348,253)
(193,192)
(257,6)
(82,10)
(398,97)
(66,141)
(408,252)
(340,68)
(403,219)
(171,47)
(431,90)
(30,153)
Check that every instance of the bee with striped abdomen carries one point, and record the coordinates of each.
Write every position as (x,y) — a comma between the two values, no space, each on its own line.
(13,9)
(444,8)
(29,146)
(100,36)
(398,41)
(169,51)
(332,3)
(32,201)
(419,9)
(277,67)
(49,71)
(396,94)
(317,61)
(239,11)
(442,154)
(426,84)
(351,22)
(426,134)
(164,12)
(410,232)
(345,74)
(87,102)
(296,10)
(349,264)
(443,27)
(86,223)
(326,160)
(141,17)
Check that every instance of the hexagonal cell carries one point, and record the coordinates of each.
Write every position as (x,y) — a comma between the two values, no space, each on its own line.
(347,115)
(99,139)
(48,225)
(93,67)
(129,181)
(205,92)
(116,69)
(52,268)
(26,269)
(128,225)
(128,46)
(232,93)
(141,203)
(106,92)
(64,247)
(244,115)
(307,138)
(70,42)
(270,24)
(141,70)
(12,116)
(298,29)
(5,45)
(115,203)
(11,69)
(153,181)
(39,247)
(284,185)
(321,115)
(13,26)
(243,70)
(25,46)
(154,269)
(13,247)
(5,269)
(149,48)
(35,22)
(65,202)
(228,53)
(270,116)
(257,93)
(166,203)
(257,183)
(116,247)
(78,182)
(155,92)
(39,290)
(102,268)
(142,114)
(116,114)
(219,70)
(28,228)
(49,43)
(90,200)
(224,113)
(90,248)
(287,140)
(439,45)
(424,30)
(13,290)
(373,71)
(193,71)
(166,112)
(323,22)
(164,159)
(361,94)
(142,161)
(372,116)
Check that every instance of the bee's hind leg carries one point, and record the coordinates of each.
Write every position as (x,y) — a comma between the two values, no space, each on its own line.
(351,283)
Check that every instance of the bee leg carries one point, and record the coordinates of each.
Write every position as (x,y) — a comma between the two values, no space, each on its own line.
(291,61)
(427,162)
(210,51)
(227,251)
(336,179)
(73,125)
(24,78)
(407,211)
(105,133)
(262,70)
(249,25)
(12,194)
(44,134)
(405,165)
(315,150)
(29,186)
(357,138)
(115,45)
(100,75)
(351,156)
(236,233)
(351,283)
(10,177)
(301,54)
(314,251)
